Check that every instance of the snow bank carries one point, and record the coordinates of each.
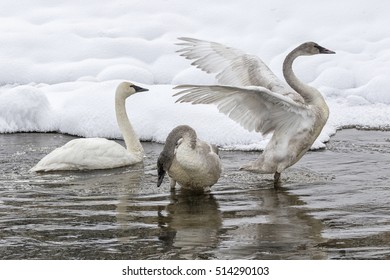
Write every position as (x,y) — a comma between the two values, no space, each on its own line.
(61,61)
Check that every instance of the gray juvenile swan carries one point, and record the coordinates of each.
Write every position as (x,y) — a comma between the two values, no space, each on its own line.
(255,98)
(189,161)
(99,153)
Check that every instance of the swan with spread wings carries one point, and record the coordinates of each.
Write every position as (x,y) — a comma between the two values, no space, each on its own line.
(254,97)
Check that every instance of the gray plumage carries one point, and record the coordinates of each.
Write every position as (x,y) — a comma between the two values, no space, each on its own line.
(189,161)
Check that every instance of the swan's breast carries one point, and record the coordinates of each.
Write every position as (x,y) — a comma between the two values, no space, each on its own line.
(199,167)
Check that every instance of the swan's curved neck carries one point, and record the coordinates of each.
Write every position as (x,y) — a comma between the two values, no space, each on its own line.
(309,94)
(132,142)
(178,134)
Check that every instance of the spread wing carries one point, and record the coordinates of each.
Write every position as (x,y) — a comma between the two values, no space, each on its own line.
(254,108)
(233,67)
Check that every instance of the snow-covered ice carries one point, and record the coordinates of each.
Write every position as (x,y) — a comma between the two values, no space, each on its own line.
(60,62)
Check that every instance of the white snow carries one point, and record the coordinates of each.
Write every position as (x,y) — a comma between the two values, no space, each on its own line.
(60,62)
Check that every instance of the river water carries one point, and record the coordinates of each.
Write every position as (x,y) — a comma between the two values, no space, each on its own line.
(333,204)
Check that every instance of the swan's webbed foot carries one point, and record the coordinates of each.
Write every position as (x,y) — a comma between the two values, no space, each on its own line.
(276,180)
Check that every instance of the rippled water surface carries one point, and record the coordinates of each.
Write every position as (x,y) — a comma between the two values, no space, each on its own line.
(333,204)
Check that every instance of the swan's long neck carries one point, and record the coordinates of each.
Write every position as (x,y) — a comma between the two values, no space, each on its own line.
(132,142)
(309,94)
(183,132)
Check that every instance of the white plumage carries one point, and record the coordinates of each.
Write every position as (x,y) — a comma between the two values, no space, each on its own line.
(99,153)
(255,98)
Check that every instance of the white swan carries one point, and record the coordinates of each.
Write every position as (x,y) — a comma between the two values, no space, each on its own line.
(189,161)
(99,153)
(256,99)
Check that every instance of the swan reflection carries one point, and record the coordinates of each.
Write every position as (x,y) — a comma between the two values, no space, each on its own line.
(190,222)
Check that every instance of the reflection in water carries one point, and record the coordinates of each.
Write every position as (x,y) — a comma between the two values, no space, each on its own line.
(268,228)
(332,204)
(127,187)
(190,222)
(354,204)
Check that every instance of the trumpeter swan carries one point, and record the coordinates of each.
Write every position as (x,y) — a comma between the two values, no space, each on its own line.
(189,161)
(255,98)
(99,153)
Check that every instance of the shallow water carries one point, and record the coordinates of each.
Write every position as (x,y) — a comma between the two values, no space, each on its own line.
(333,204)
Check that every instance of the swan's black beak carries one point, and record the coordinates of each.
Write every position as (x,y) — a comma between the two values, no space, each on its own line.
(324,50)
(161,175)
(139,89)
(160,171)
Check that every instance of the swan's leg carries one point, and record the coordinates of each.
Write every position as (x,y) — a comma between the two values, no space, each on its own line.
(172,183)
(276,179)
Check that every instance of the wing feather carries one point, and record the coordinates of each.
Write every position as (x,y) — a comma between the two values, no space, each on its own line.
(232,66)
(254,108)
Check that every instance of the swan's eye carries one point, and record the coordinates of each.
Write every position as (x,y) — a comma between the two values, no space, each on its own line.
(323,50)
(319,48)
